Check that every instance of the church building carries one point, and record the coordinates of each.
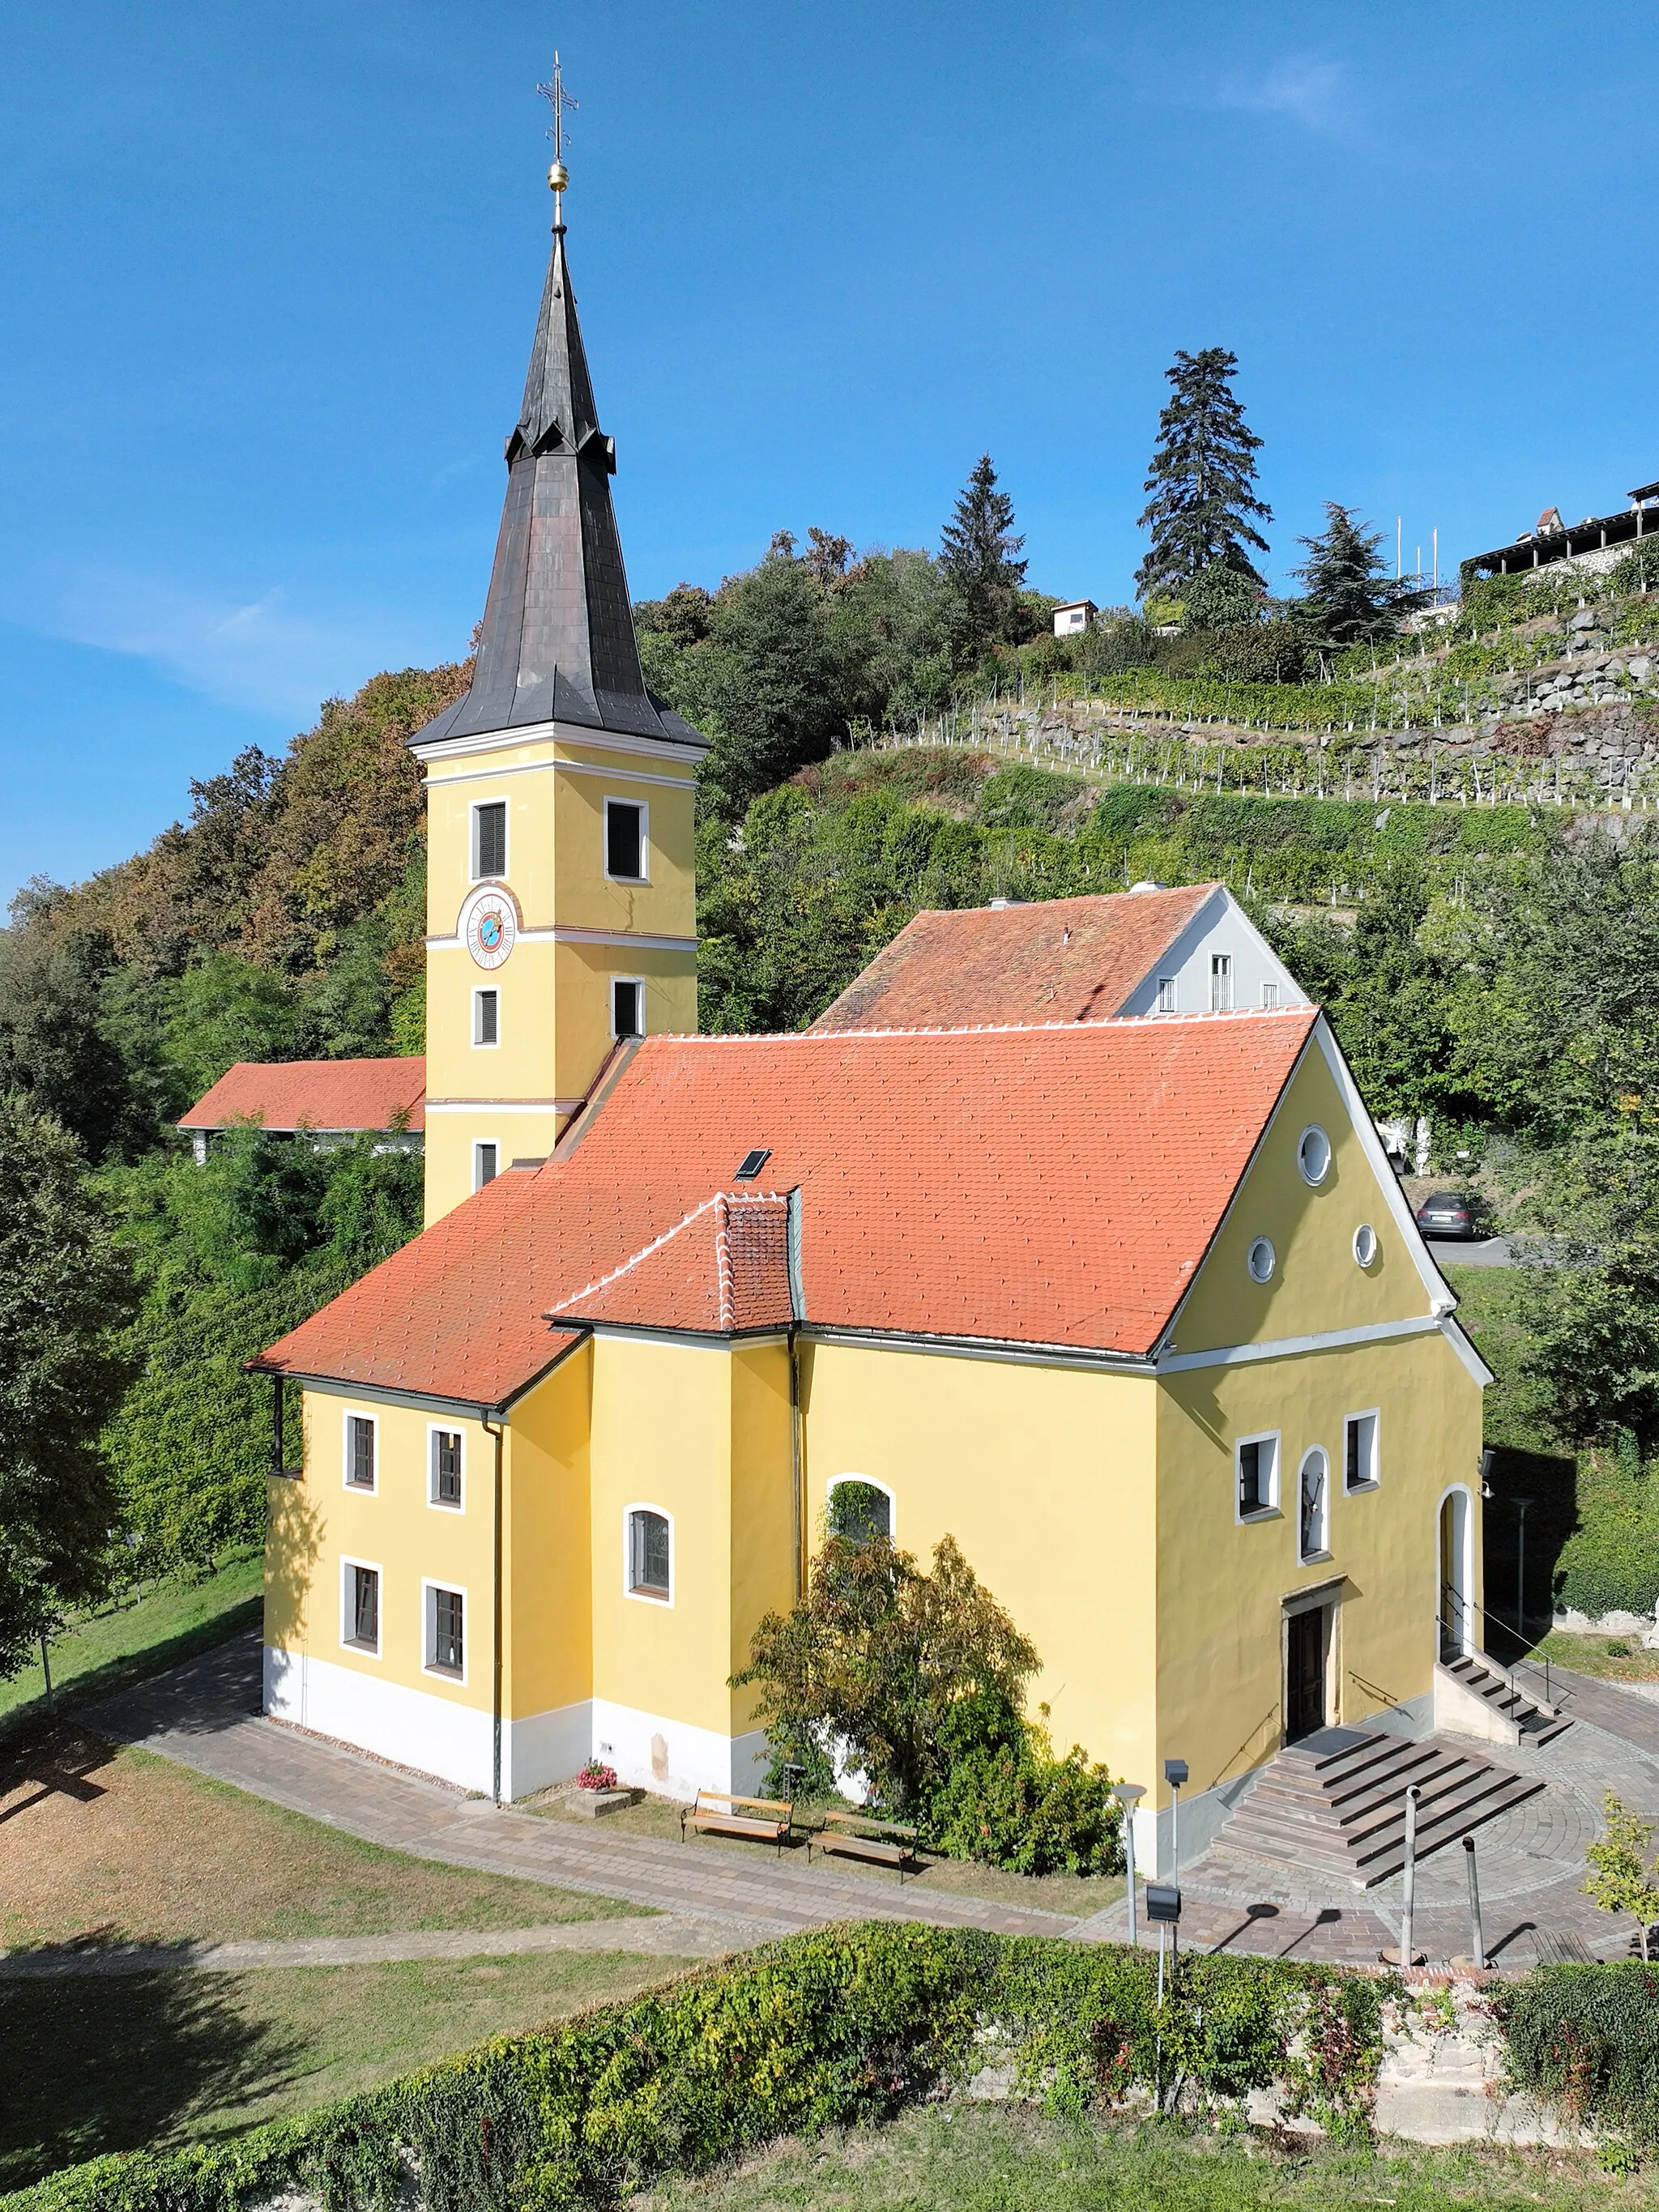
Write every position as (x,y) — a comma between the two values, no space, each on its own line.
(1064,1230)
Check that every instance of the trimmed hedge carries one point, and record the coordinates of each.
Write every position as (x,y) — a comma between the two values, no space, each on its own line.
(837,2029)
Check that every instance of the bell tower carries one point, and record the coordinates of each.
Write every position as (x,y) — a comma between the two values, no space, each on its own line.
(561,897)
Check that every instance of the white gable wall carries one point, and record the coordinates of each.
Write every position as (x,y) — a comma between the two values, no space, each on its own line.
(1220,926)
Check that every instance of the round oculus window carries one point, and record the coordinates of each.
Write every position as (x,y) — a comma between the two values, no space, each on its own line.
(1364,1245)
(489,925)
(1262,1260)
(1313,1154)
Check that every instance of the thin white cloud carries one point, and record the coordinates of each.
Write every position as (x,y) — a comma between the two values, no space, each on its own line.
(1302,88)
(261,653)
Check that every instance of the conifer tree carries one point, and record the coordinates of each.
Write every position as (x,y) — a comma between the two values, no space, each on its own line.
(983,577)
(1351,598)
(1204,508)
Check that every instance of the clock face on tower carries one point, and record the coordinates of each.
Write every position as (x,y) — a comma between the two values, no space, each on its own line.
(490,924)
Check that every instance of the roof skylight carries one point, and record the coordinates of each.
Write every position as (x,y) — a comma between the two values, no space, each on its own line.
(751,1163)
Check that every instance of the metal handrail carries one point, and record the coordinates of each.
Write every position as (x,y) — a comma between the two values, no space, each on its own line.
(1495,1665)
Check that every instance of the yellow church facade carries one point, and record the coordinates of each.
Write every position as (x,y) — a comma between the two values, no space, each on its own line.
(1130,1305)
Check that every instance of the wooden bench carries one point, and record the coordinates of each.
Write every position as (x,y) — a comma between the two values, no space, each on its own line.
(719,1813)
(854,1835)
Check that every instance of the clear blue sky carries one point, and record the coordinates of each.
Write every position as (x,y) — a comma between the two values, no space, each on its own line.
(271,268)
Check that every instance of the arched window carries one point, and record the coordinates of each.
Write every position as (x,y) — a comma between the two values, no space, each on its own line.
(860,1510)
(650,1554)
(1314,1488)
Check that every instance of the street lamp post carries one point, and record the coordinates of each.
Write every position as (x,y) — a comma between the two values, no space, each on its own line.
(1128,1795)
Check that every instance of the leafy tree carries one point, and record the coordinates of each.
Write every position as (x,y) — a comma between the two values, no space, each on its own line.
(983,579)
(1588,1301)
(55,1042)
(1221,597)
(65,1291)
(224,1008)
(1351,599)
(766,684)
(1202,475)
(1621,1876)
(875,1656)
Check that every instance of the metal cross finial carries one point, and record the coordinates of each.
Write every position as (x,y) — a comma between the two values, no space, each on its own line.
(558,100)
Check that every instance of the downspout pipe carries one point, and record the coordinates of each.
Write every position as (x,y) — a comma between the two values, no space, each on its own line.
(499,1432)
(797,1453)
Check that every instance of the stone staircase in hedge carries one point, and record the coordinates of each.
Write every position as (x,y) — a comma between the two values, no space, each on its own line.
(1335,1804)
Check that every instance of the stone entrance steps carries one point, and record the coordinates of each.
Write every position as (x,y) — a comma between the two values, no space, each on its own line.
(1534,1724)
(1335,1803)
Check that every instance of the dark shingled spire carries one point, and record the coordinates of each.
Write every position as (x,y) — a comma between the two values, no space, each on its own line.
(558,635)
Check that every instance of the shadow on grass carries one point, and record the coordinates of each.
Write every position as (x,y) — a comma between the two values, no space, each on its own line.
(93,2063)
(25,1723)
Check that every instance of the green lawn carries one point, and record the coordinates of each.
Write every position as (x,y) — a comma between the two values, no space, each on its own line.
(104,1654)
(94,2064)
(979,2158)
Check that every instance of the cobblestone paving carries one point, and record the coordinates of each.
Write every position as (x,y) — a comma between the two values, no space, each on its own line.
(205,1714)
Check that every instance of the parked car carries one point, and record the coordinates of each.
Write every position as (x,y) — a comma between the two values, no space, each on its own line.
(1449,1213)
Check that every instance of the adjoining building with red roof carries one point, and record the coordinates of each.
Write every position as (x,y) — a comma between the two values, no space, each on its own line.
(317,1098)
(1063,1233)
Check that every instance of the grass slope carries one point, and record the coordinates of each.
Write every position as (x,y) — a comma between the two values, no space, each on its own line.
(967,2158)
(99,1845)
(102,1655)
(93,2065)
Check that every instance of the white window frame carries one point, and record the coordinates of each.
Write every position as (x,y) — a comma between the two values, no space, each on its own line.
(377,1650)
(1273,1510)
(642,808)
(1221,971)
(1374,1480)
(359,1489)
(433,1431)
(1315,1182)
(647,1597)
(638,981)
(869,1482)
(1322,1549)
(479,1178)
(1261,1244)
(473,856)
(429,1588)
(1361,1257)
(480,993)
(1169,995)
(1270,997)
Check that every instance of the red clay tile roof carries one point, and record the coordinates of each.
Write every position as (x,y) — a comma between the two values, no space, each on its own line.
(1053,1186)
(1056,960)
(315,1094)
(725,1269)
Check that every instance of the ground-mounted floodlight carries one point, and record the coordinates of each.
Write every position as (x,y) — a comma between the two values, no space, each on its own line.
(1127,1796)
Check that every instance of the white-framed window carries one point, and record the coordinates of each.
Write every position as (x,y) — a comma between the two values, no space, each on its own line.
(627,841)
(1262,1260)
(361,1450)
(489,840)
(1256,1468)
(1221,982)
(486,1015)
(1166,994)
(1365,1245)
(486,1162)
(1313,1155)
(858,1507)
(446,1453)
(627,1006)
(1313,1504)
(649,1554)
(1269,998)
(1360,1465)
(360,1607)
(443,1634)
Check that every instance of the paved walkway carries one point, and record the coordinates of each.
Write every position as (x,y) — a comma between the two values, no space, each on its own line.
(206,1715)
(660,1934)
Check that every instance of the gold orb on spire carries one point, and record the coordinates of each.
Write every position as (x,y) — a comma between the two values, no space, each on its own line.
(557,177)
